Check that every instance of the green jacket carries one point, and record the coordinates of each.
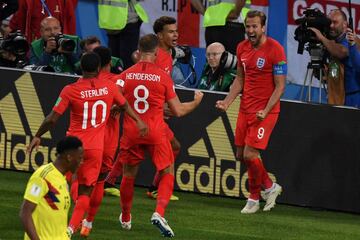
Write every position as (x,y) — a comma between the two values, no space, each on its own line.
(62,63)
(220,80)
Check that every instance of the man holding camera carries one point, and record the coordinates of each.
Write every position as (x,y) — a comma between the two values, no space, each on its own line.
(339,49)
(59,51)
(216,75)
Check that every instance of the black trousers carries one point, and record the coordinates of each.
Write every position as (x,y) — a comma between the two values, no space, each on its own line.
(125,42)
(229,35)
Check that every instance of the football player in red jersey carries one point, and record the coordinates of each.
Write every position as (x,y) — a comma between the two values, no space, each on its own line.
(147,87)
(261,74)
(166,29)
(90,99)
(111,141)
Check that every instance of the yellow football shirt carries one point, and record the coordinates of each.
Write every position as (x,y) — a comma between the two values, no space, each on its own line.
(48,189)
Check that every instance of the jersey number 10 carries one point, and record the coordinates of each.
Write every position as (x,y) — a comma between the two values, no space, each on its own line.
(93,113)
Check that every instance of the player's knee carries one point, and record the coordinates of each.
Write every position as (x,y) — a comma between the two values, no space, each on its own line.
(85,190)
(175,144)
(248,155)
(169,169)
(130,171)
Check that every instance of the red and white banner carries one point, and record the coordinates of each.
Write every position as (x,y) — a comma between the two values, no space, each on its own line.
(190,24)
(297,64)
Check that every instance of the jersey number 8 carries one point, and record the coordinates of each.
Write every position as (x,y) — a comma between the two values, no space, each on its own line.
(141,99)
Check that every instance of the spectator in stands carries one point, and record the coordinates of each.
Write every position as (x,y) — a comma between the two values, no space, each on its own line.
(220,70)
(339,49)
(223,21)
(61,52)
(4,28)
(30,14)
(89,44)
(7,7)
(123,31)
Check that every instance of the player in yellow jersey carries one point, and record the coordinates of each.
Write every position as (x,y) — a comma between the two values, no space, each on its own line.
(44,212)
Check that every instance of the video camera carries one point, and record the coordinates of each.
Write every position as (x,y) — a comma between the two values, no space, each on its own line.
(13,50)
(182,54)
(66,44)
(15,43)
(313,18)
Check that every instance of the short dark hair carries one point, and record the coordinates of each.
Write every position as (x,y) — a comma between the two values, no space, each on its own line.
(342,13)
(148,43)
(105,55)
(90,62)
(256,13)
(68,143)
(89,40)
(161,22)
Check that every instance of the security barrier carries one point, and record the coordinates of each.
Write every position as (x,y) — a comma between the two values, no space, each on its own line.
(313,152)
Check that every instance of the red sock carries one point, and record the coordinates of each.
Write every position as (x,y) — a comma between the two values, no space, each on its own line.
(266,181)
(95,200)
(74,190)
(166,187)
(81,206)
(115,172)
(126,194)
(255,177)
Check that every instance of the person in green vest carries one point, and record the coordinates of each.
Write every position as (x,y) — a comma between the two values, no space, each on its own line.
(54,49)
(219,71)
(122,20)
(88,45)
(223,21)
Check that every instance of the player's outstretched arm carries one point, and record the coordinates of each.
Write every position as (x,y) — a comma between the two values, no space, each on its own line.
(26,211)
(143,128)
(180,109)
(45,126)
(235,89)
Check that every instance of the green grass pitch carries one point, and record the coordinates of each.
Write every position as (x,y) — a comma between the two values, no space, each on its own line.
(193,217)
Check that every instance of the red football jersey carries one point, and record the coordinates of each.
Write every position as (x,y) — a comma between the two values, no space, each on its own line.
(258,67)
(90,101)
(164,60)
(146,87)
(113,125)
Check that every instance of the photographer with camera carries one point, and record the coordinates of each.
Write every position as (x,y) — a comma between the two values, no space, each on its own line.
(57,50)
(339,49)
(219,72)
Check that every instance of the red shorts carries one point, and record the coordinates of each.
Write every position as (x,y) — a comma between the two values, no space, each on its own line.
(89,170)
(107,159)
(253,132)
(168,132)
(161,154)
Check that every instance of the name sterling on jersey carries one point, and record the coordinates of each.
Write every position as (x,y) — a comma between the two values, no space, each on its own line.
(94,92)
(143,76)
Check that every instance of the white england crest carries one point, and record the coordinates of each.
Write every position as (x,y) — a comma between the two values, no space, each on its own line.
(260,62)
